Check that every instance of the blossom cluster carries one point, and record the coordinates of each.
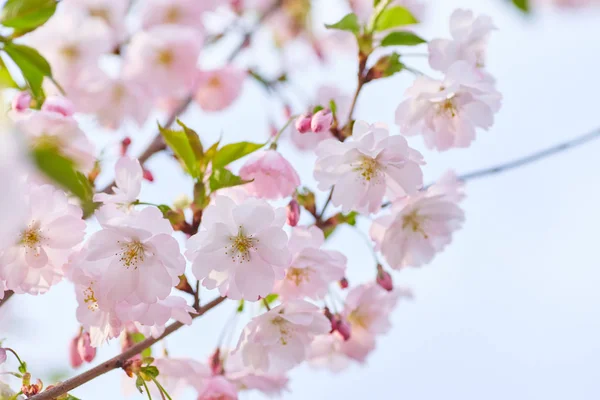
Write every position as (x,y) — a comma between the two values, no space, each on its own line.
(131,262)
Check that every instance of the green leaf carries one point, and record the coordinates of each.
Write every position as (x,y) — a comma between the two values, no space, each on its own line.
(200,198)
(139,384)
(271,298)
(333,106)
(150,371)
(138,337)
(6,80)
(231,152)
(402,38)
(33,66)
(394,17)
(317,109)
(194,140)
(26,15)
(222,178)
(349,23)
(522,5)
(62,170)
(386,66)
(241,306)
(179,142)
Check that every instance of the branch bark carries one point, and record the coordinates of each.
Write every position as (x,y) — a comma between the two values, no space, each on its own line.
(118,361)
(7,295)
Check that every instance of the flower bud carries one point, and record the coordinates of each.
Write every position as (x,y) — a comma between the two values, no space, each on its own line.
(125,143)
(293,213)
(216,363)
(59,104)
(21,101)
(74,357)
(341,326)
(321,121)
(344,283)
(303,123)
(148,175)
(84,347)
(384,279)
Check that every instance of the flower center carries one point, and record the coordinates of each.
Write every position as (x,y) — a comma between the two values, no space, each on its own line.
(101,13)
(70,52)
(240,246)
(165,57)
(368,168)
(414,222)
(132,253)
(214,82)
(284,329)
(298,275)
(118,92)
(356,318)
(31,237)
(173,15)
(448,108)
(90,298)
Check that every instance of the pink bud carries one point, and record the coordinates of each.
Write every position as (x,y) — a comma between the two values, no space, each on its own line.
(344,283)
(59,104)
(321,121)
(74,357)
(303,123)
(21,101)
(216,363)
(125,143)
(84,347)
(148,175)
(384,279)
(341,326)
(293,213)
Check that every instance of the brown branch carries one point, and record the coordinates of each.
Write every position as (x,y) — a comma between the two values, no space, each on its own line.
(118,361)
(7,295)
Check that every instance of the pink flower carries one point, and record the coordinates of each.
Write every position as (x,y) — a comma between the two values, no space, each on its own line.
(469,41)
(71,42)
(164,57)
(367,309)
(419,226)
(241,248)
(74,357)
(269,384)
(363,170)
(326,352)
(151,319)
(54,227)
(218,89)
(112,13)
(21,102)
(279,339)
(141,260)
(58,104)
(128,179)
(384,279)
(113,100)
(448,112)
(178,373)
(13,168)
(309,140)
(293,213)
(218,388)
(84,347)
(312,268)
(49,127)
(176,12)
(273,175)
(303,123)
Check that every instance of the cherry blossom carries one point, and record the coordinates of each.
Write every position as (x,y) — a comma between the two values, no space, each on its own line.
(49,128)
(218,388)
(279,339)
(175,12)
(218,89)
(240,248)
(178,373)
(270,384)
(34,262)
(128,180)
(141,260)
(71,42)
(273,177)
(367,309)
(13,168)
(165,55)
(469,41)
(447,112)
(368,167)
(312,268)
(420,226)
(112,13)
(326,352)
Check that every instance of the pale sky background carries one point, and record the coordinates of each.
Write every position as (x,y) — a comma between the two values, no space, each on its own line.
(510,309)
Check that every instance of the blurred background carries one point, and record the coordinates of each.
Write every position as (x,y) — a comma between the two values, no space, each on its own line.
(508,310)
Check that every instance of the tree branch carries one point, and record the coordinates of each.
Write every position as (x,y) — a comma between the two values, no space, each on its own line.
(118,361)
(7,295)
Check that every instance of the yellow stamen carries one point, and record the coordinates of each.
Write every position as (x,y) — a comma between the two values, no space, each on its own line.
(132,254)
(414,222)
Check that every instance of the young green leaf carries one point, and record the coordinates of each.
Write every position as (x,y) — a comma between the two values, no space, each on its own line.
(33,66)
(179,142)
(394,17)
(26,15)
(386,66)
(402,38)
(232,152)
(522,5)
(194,140)
(6,80)
(222,178)
(349,23)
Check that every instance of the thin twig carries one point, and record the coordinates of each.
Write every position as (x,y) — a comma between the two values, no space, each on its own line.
(118,361)
(7,295)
